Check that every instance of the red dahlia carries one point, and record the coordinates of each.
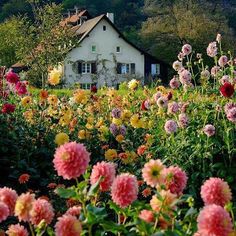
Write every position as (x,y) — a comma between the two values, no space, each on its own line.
(227,90)
(8,108)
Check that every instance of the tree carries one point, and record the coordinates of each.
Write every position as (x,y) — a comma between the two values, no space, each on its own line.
(173,23)
(44,42)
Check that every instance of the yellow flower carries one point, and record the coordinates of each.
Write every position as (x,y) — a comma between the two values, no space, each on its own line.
(54,77)
(136,122)
(99,123)
(25,101)
(83,134)
(110,154)
(61,138)
(103,129)
(133,84)
(64,120)
(80,96)
(119,138)
(89,126)
(29,115)
(90,120)
(117,121)
(125,115)
(52,100)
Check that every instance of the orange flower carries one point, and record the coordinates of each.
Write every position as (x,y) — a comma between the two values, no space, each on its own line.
(141,149)
(43,94)
(24,178)
(146,192)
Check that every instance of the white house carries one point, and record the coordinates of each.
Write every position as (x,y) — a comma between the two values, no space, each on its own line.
(104,57)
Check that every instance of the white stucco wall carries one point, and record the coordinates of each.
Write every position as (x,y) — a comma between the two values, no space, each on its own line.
(106,43)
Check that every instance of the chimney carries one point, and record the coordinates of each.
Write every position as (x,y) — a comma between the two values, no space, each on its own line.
(110,16)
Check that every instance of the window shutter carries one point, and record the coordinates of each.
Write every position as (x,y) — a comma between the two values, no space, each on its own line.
(132,68)
(79,68)
(118,68)
(94,68)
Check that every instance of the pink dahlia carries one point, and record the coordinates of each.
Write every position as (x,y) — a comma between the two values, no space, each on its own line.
(147,216)
(231,115)
(187,49)
(74,211)
(12,77)
(4,211)
(214,220)
(124,190)
(71,160)
(177,65)
(173,108)
(225,79)
(185,77)
(229,106)
(68,225)
(212,49)
(183,120)
(175,179)
(223,61)
(41,210)
(23,206)
(209,130)
(170,126)
(17,230)
(216,191)
(8,196)
(152,172)
(215,70)
(105,170)
(174,83)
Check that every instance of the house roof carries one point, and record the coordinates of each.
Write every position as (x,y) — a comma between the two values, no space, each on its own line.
(83,31)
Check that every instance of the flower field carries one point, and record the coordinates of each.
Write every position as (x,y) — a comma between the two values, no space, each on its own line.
(136,161)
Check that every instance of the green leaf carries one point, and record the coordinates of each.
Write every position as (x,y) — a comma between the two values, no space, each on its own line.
(95,187)
(66,192)
(112,227)
(95,214)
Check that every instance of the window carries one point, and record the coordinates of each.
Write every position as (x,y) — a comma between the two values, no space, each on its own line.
(104,28)
(86,68)
(85,86)
(94,48)
(125,68)
(155,69)
(118,49)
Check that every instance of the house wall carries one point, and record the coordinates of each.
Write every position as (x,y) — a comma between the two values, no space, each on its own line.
(106,43)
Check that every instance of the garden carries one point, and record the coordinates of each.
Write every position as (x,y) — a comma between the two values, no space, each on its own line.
(135,161)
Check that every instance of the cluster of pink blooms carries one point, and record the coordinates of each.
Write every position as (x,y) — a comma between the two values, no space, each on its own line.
(213,219)
(26,208)
(172,178)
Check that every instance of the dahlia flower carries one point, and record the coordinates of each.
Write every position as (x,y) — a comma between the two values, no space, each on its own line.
(216,191)
(212,49)
(71,160)
(187,49)
(124,190)
(177,65)
(223,61)
(175,179)
(174,83)
(9,197)
(12,77)
(227,90)
(116,113)
(173,108)
(147,216)
(8,108)
(17,230)
(23,206)
(61,138)
(74,211)
(214,220)
(183,120)
(105,170)
(209,130)
(68,225)
(185,77)
(41,210)
(170,126)
(151,172)
(4,211)
(231,115)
